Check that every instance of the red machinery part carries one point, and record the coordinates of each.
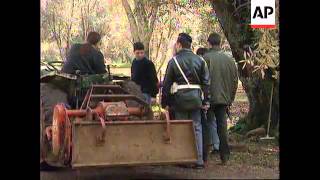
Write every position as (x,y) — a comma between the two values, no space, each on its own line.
(61,133)
(62,128)
(101,109)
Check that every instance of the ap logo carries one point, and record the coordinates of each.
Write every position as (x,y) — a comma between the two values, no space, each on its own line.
(263,14)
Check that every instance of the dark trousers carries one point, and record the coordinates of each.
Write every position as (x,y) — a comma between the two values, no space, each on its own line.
(205,135)
(219,112)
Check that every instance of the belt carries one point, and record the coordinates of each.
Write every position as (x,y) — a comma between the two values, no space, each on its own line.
(189,86)
(175,87)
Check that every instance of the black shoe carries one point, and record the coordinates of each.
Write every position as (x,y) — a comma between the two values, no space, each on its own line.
(224,163)
(44,166)
(224,160)
(215,151)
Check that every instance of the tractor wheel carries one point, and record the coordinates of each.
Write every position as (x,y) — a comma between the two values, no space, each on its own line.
(135,89)
(49,97)
(42,134)
(44,166)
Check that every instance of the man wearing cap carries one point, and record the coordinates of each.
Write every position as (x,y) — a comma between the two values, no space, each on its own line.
(187,81)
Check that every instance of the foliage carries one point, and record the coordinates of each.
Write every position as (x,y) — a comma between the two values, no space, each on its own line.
(256,49)
(120,65)
(64,22)
(62,26)
(265,56)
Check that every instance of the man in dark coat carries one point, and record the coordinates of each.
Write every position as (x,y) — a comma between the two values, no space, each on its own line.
(85,58)
(197,74)
(143,73)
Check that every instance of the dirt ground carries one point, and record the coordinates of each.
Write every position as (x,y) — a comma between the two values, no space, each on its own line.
(260,160)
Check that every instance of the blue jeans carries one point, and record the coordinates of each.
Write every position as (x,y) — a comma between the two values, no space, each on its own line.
(214,133)
(210,135)
(195,115)
(147,98)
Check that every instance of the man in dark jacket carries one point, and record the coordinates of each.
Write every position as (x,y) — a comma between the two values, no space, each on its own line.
(223,87)
(85,58)
(196,72)
(144,73)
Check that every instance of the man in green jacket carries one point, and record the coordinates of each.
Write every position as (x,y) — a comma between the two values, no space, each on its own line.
(223,87)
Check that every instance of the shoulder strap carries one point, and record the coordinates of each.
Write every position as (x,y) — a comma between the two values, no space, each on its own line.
(184,76)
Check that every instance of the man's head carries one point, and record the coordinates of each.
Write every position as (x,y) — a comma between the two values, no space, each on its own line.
(201,51)
(138,50)
(93,38)
(214,40)
(184,41)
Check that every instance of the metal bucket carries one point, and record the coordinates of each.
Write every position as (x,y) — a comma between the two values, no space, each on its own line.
(133,143)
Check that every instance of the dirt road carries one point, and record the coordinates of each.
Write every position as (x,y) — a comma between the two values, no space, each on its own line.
(168,172)
(213,171)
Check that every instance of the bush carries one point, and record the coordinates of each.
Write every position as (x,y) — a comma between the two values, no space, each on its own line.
(119,64)
(240,127)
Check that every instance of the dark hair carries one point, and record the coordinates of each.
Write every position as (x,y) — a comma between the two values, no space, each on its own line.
(201,51)
(93,38)
(185,40)
(214,39)
(138,46)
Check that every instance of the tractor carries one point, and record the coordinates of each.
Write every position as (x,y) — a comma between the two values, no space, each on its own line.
(103,120)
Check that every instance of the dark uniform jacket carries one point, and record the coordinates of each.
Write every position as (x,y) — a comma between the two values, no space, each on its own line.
(223,76)
(144,74)
(195,69)
(89,63)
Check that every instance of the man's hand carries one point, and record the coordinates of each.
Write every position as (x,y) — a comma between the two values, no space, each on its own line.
(205,107)
(153,101)
(49,132)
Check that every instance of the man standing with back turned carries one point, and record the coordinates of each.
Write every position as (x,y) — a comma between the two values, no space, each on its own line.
(187,76)
(223,87)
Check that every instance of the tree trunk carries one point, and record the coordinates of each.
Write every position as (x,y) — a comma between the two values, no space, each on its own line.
(258,90)
(132,21)
(141,26)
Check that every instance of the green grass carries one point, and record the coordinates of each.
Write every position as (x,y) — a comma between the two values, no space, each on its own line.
(121,65)
(241,97)
(156,108)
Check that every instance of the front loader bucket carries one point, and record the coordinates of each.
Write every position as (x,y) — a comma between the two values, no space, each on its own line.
(152,142)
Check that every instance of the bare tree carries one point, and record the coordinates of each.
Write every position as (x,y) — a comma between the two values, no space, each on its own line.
(142,19)
(60,26)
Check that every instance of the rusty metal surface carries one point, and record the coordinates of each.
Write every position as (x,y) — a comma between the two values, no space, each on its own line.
(85,100)
(119,97)
(61,134)
(133,143)
(58,130)
(100,110)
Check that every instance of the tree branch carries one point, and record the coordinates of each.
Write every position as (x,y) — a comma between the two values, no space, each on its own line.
(241,6)
(132,20)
